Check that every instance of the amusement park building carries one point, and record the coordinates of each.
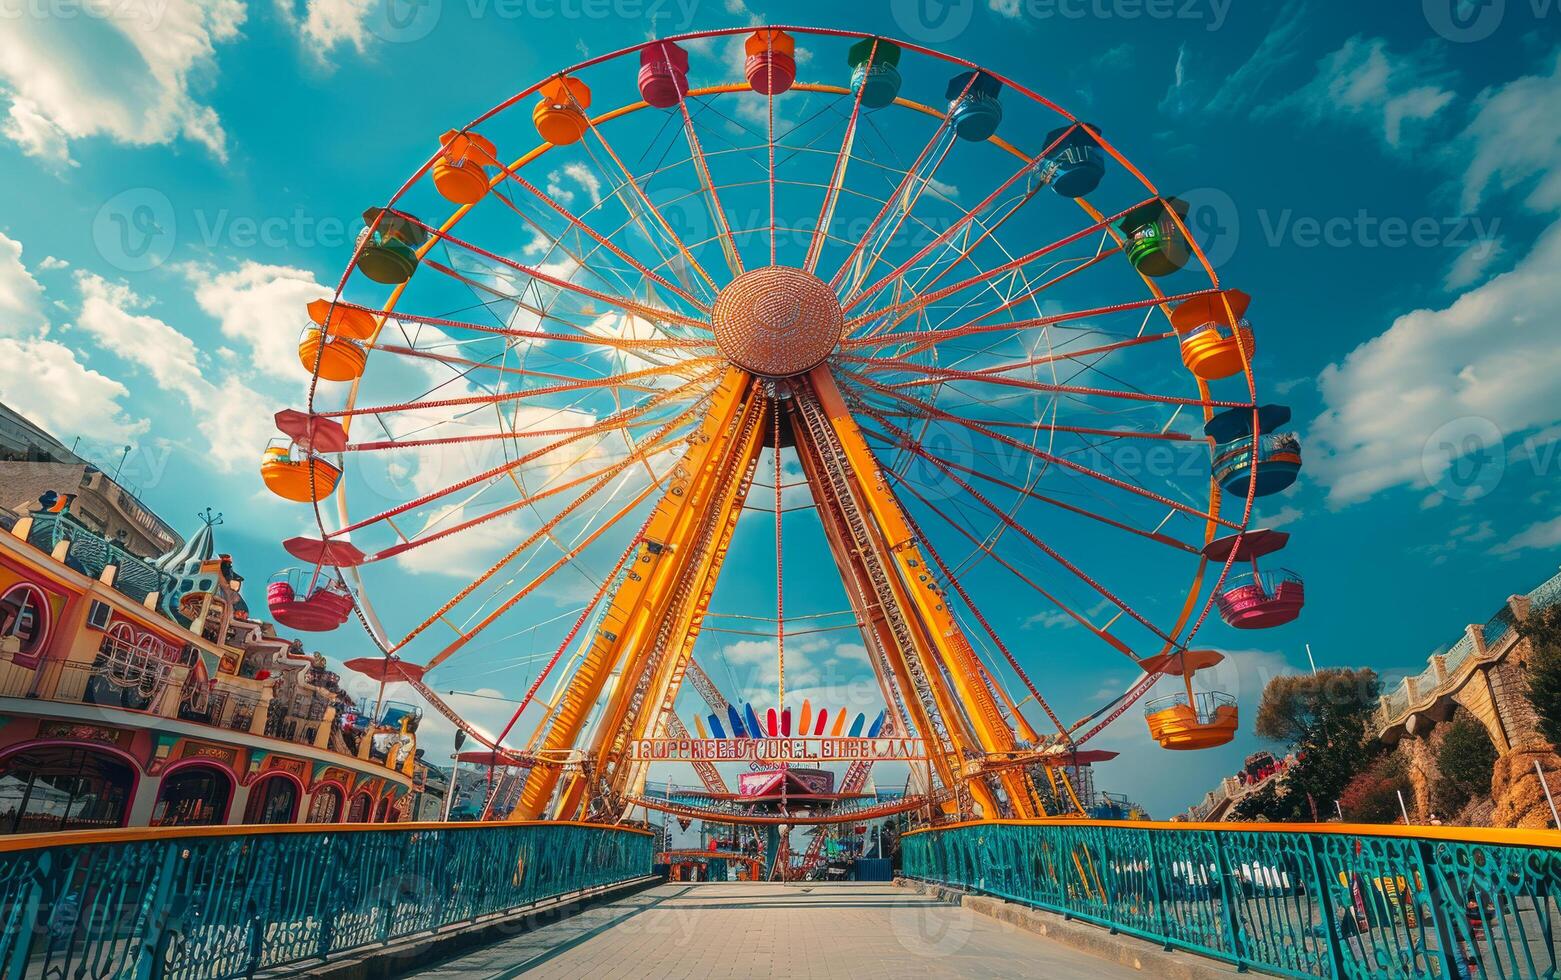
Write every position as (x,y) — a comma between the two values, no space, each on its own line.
(137,691)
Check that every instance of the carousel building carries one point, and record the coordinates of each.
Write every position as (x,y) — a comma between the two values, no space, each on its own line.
(138,691)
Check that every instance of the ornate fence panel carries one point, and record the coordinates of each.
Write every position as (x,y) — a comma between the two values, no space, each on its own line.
(1306,901)
(224,902)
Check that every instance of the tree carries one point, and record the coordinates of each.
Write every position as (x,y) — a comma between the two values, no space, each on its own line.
(1543,631)
(1323,719)
(1372,796)
(1465,762)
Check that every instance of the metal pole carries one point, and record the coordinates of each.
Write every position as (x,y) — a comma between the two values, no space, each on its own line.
(1339,810)
(449,791)
(1548,798)
(1311,660)
(1401,808)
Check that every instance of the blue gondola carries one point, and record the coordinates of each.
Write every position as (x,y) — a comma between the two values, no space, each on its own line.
(1080,162)
(715,727)
(1278,453)
(856,725)
(973,106)
(755,730)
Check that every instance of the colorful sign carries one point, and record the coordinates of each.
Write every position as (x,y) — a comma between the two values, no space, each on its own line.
(776,749)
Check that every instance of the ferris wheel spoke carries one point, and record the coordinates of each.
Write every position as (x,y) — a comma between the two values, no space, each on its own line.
(937,374)
(581,257)
(933,374)
(541,578)
(1050,552)
(649,450)
(1116,643)
(403,444)
(454,360)
(546,530)
(734,260)
(628,305)
(648,204)
(607,424)
(579,224)
(592,340)
(519,394)
(1028,295)
(890,203)
(921,301)
(986,625)
(923,339)
(960,224)
(837,175)
(926,299)
(1024,447)
(899,439)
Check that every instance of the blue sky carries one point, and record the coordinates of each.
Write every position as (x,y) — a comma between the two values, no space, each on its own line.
(183,176)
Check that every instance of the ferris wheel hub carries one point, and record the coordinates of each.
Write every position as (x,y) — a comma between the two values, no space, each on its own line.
(777,322)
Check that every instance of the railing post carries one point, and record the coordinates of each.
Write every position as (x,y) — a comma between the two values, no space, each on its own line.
(1445,938)
(26,922)
(153,919)
(1159,893)
(1325,907)
(1227,906)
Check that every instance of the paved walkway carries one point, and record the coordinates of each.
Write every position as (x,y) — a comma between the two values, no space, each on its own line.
(852,930)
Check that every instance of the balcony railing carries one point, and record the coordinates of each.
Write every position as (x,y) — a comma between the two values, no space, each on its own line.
(90,553)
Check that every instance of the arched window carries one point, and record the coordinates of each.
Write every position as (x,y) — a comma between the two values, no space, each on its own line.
(24,623)
(387,810)
(362,808)
(63,788)
(325,806)
(272,799)
(193,796)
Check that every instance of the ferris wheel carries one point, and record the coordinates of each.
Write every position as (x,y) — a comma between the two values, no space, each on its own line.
(947,322)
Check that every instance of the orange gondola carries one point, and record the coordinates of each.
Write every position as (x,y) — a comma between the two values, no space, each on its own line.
(560,116)
(461,172)
(302,477)
(1211,347)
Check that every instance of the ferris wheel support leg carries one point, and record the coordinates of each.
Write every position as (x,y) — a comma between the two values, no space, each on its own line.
(638,601)
(650,633)
(660,677)
(988,729)
(939,718)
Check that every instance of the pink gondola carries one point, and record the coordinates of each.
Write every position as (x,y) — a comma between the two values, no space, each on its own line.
(1256,599)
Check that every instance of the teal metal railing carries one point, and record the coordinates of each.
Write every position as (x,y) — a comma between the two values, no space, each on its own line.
(1305,901)
(220,902)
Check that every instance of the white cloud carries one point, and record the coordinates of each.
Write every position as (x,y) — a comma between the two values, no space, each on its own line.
(130,74)
(329,24)
(261,306)
(1366,83)
(1280,46)
(234,420)
(1515,138)
(21,297)
(1474,262)
(50,264)
(1005,8)
(1488,356)
(43,380)
(1540,536)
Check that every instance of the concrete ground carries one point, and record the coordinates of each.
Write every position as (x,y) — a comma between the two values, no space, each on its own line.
(855,930)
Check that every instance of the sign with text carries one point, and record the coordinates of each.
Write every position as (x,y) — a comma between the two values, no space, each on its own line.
(893,749)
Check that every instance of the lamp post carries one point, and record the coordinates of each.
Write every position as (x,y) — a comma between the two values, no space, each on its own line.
(455,768)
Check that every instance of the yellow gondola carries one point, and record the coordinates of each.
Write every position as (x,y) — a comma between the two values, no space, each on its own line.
(1189,721)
